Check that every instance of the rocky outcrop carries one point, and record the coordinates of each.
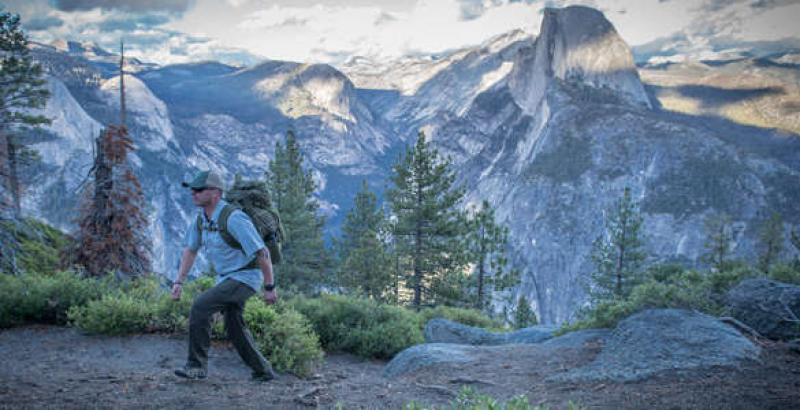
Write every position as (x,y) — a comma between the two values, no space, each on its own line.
(653,341)
(420,356)
(771,308)
(439,330)
(579,45)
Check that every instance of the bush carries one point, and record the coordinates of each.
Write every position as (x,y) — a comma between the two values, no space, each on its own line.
(469,317)
(285,337)
(34,246)
(785,273)
(113,314)
(45,299)
(360,326)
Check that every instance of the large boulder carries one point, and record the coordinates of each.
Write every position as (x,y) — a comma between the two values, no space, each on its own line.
(424,355)
(653,341)
(771,308)
(579,338)
(439,330)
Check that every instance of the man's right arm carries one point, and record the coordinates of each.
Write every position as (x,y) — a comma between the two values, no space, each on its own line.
(187,261)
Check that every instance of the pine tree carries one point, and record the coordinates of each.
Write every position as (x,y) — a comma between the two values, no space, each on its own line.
(366,265)
(22,88)
(306,262)
(771,243)
(524,316)
(487,242)
(111,233)
(428,227)
(618,254)
(367,270)
(363,217)
(718,239)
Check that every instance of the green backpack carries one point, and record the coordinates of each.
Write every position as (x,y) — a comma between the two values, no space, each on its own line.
(253,198)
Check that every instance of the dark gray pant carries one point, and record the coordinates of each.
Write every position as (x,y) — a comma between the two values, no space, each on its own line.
(227,297)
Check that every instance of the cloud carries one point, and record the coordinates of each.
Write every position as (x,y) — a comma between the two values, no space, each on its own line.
(123,5)
(133,22)
(43,23)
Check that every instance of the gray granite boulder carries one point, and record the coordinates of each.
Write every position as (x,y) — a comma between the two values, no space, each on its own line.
(665,339)
(439,330)
(771,308)
(419,356)
(579,338)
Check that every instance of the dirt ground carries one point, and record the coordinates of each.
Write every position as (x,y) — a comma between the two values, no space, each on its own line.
(54,367)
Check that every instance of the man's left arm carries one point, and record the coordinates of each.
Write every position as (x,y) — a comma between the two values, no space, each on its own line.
(265,263)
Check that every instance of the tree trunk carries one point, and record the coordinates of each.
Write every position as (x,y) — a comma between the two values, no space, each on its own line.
(481,272)
(13,177)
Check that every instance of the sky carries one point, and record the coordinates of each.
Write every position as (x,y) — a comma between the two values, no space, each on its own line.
(332,31)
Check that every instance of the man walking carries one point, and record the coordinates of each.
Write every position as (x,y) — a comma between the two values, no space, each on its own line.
(240,274)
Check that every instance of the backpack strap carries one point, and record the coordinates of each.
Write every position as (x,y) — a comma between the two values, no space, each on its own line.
(223,226)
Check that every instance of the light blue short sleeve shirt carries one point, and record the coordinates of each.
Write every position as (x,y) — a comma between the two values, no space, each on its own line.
(228,261)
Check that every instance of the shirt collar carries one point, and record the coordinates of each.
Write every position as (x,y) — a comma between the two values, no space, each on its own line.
(217,211)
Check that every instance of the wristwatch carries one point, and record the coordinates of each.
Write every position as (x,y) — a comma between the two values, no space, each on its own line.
(269,288)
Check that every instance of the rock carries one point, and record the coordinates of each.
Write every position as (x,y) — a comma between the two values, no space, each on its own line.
(419,356)
(533,334)
(665,339)
(771,308)
(440,330)
(579,338)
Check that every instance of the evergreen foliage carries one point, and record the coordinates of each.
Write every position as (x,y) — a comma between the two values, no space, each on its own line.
(366,266)
(111,234)
(307,262)
(488,241)
(524,316)
(618,254)
(718,239)
(22,88)
(429,229)
(772,247)
(29,246)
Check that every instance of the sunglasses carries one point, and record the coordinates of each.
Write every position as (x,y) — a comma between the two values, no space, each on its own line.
(198,190)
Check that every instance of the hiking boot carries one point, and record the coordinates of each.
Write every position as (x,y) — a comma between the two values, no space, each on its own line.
(264,377)
(189,372)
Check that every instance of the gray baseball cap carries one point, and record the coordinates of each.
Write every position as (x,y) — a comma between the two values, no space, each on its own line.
(206,179)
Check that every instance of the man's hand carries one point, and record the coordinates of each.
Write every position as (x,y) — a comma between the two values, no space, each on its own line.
(270,297)
(176,291)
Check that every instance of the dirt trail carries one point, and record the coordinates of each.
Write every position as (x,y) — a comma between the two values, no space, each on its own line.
(53,367)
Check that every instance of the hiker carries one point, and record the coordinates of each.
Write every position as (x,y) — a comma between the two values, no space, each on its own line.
(240,274)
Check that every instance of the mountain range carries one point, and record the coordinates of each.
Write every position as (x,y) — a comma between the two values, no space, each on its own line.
(550,129)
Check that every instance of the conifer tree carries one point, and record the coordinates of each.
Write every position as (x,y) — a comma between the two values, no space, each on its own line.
(366,265)
(111,233)
(22,88)
(617,253)
(718,239)
(771,243)
(429,228)
(524,316)
(365,216)
(487,240)
(306,262)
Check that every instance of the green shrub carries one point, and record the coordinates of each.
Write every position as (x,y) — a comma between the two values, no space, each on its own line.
(35,246)
(286,338)
(605,314)
(468,399)
(469,317)
(36,298)
(731,273)
(360,326)
(113,314)
(785,273)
